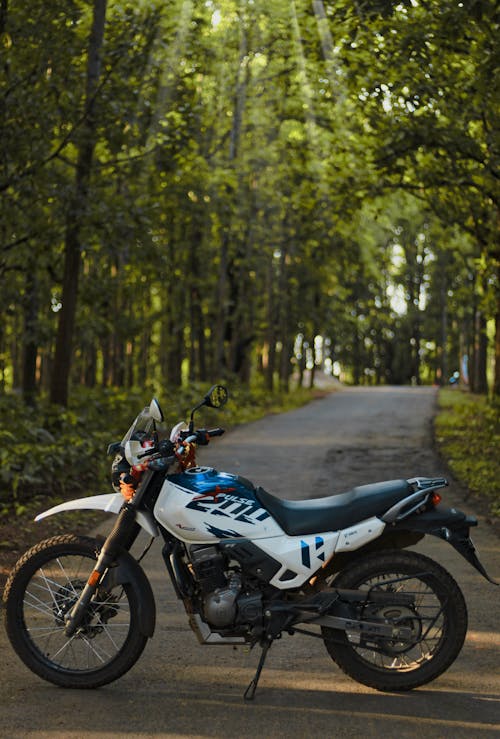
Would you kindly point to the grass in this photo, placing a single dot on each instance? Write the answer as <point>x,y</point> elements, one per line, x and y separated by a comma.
<point>467,430</point>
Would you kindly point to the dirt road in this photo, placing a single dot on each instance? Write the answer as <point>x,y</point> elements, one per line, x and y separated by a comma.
<point>179,689</point>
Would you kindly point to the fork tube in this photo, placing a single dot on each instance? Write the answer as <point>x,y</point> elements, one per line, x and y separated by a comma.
<point>122,531</point>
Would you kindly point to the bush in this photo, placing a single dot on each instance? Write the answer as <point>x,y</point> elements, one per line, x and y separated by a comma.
<point>468,434</point>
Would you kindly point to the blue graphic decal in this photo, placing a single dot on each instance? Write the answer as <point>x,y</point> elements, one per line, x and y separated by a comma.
<point>319,543</point>
<point>263,515</point>
<point>220,533</point>
<point>306,555</point>
<point>216,512</point>
<point>211,483</point>
<point>230,506</point>
<point>220,494</point>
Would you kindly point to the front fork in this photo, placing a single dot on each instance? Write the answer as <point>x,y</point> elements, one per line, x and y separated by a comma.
<point>121,533</point>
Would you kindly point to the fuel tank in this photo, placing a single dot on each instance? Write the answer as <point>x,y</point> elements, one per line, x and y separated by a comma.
<point>203,504</point>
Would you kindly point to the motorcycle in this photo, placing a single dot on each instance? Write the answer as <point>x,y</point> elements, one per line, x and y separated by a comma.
<point>248,567</point>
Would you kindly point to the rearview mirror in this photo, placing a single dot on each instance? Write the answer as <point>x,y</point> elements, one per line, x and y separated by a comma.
<point>216,397</point>
<point>155,411</point>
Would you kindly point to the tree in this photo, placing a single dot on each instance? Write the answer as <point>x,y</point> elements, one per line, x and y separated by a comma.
<point>224,197</point>
<point>77,210</point>
<point>431,114</point>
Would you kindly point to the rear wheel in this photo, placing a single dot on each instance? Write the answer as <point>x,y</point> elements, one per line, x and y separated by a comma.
<point>42,588</point>
<point>436,623</point>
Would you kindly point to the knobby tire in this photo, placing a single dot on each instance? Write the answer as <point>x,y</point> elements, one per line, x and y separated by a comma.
<point>439,624</point>
<point>47,580</point>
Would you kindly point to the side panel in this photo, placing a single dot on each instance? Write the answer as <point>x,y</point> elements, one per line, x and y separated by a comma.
<point>357,536</point>
<point>300,556</point>
<point>224,509</point>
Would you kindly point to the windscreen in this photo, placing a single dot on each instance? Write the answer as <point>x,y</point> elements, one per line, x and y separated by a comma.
<point>143,423</point>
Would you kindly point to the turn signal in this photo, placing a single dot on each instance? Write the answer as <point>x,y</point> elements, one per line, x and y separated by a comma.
<point>435,498</point>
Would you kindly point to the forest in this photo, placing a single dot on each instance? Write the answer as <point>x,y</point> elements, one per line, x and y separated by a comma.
<point>196,190</point>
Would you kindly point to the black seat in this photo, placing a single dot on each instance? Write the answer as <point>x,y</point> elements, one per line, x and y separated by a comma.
<point>301,517</point>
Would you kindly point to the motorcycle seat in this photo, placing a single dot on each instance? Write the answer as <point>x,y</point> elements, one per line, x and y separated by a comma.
<point>301,517</point>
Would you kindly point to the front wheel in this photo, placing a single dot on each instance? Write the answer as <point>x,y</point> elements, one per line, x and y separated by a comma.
<point>437,622</point>
<point>43,587</point>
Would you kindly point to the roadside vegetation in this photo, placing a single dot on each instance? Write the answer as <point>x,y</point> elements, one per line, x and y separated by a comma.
<point>467,430</point>
<point>50,452</point>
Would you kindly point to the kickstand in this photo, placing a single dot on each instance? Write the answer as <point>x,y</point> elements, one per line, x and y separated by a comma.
<point>249,693</point>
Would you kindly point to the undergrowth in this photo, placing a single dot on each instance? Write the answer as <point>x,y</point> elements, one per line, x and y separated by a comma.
<point>467,431</point>
<point>52,453</point>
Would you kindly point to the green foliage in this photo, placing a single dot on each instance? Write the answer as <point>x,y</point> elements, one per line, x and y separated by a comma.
<point>468,435</point>
<point>263,174</point>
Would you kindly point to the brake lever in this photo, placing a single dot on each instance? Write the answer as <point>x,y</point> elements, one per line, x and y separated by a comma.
<point>147,453</point>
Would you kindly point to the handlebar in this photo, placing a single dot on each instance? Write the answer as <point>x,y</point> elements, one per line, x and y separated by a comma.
<point>161,457</point>
<point>202,436</point>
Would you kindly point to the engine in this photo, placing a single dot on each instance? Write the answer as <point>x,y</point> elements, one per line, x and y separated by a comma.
<point>224,604</point>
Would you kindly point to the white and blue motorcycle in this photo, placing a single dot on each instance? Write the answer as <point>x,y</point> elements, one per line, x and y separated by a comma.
<point>248,567</point>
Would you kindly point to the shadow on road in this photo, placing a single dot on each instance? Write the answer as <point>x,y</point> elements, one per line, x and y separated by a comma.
<point>208,702</point>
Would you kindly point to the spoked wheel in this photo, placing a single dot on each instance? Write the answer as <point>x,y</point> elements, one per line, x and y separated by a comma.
<point>435,625</point>
<point>43,587</point>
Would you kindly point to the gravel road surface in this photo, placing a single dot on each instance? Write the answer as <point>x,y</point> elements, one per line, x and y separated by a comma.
<point>180,689</point>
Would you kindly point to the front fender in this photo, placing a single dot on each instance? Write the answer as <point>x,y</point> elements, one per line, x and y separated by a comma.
<point>109,503</point>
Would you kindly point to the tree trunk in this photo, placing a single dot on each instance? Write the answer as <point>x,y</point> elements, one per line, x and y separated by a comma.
<point>30,340</point>
<point>271,331</point>
<point>221,326</point>
<point>90,365</point>
<point>301,363</point>
<point>76,214</point>
<point>480,355</point>
<point>220,323</point>
<point>496,380</point>
<point>15,352</point>
<point>443,358</point>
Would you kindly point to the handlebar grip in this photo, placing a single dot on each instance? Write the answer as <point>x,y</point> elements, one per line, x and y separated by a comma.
<point>201,436</point>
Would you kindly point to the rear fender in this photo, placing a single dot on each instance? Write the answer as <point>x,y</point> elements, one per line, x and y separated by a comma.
<point>128,571</point>
<point>451,525</point>
<point>110,503</point>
